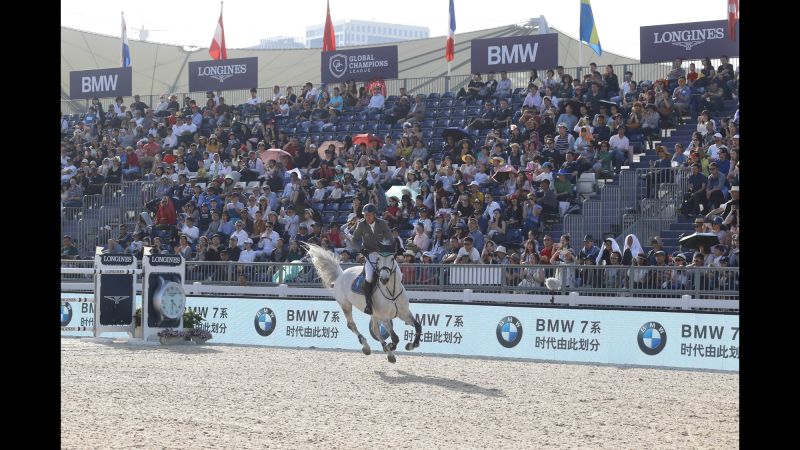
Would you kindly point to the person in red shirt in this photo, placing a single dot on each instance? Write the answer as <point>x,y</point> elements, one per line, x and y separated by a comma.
<point>131,167</point>
<point>166,215</point>
<point>335,236</point>
<point>548,250</point>
<point>392,213</point>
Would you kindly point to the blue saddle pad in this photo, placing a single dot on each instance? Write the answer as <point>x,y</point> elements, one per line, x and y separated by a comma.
<point>358,284</point>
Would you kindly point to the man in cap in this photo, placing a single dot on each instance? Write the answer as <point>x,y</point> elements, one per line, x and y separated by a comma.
<point>371,234</point>
<point>589,250</point>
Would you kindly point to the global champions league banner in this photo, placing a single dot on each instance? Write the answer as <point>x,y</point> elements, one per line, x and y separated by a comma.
<point>694,40</point>
<point>515,53</point>
<point>238,73</point>
<point>646,338</point>
<point>362,64</point>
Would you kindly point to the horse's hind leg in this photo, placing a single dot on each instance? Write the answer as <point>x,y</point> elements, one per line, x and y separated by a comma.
<point>406,316</point>
<point>348,314</point>
<point>395,339</point>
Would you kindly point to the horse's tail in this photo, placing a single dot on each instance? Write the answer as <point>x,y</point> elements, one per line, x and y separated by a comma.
<point>326,264</point>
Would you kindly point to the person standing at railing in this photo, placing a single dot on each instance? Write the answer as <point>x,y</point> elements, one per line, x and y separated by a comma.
<point>69,251</point>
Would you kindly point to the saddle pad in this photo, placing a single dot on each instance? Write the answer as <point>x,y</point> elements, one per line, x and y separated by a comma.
<point>358,284</point>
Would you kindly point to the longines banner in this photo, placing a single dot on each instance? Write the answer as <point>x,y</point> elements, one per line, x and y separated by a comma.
<point>361,64</point>
<point>693,40</point>
<point>515,53</point>
<point>239,73</point>
<point>101,83</point>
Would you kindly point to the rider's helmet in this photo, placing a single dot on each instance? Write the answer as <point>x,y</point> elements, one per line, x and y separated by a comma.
<point>369,208</point>
<point>386,248</point>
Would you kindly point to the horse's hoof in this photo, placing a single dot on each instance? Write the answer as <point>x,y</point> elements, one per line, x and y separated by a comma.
<point>366,350</point>
<point>392,347</point>
<point>392,359</point>
<point>409,346</point>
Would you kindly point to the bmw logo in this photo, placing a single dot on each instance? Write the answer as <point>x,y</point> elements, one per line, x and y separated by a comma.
<point>66,313</point>
<point>265,322</point>
<point>652,338</point>
<point>509,331</point>
<point>384,333</point>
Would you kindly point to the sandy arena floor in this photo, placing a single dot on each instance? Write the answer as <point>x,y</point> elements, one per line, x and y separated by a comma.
<point>120,395</point>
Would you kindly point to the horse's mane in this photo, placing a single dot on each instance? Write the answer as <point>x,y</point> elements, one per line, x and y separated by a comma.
<point>326,263</point>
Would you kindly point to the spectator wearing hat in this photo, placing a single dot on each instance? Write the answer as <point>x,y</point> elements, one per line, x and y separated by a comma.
<point>589,250</point>
<point>247,255</point>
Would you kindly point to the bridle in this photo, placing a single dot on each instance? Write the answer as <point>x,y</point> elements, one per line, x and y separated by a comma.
<point>392,293</point>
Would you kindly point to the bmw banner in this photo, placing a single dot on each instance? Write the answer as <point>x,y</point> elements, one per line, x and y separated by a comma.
<point>641,338</point>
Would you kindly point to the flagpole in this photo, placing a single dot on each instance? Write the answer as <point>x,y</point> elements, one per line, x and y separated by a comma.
<point>448,68</point>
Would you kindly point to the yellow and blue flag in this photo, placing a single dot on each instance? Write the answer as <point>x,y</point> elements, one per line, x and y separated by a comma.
<point>588,28</point>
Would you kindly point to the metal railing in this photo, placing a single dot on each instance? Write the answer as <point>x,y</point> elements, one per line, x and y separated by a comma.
<point>618,281</point>
<point>421,85</point>
<point>660,193</point>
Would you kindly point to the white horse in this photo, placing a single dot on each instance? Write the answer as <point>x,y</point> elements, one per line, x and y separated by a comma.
<point>388,301</point>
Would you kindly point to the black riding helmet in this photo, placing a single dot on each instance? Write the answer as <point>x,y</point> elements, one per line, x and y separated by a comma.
<point>369,208</point>
<point>386,248</point>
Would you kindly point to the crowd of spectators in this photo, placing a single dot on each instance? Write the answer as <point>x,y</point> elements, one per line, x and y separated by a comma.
<point>481,198</point>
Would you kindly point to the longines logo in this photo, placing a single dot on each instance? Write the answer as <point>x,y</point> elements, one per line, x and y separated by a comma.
<point>688,38</point>
<point>222,73</point>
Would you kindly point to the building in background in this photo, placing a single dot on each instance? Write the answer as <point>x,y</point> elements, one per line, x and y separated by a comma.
<point>361,32</point>
<point>279,43</point>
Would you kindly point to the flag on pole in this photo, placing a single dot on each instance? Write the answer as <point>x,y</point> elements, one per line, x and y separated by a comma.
<point>588,28</point>
<point>218,49</point>
<point>329,38</point>
<point>126,50</point>
<point>733,17</point>
<point>450,49</point>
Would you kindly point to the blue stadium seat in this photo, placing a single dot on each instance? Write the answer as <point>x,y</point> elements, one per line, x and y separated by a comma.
<point>445,103</point>
<point>447,95</point>
<point>433,95</point>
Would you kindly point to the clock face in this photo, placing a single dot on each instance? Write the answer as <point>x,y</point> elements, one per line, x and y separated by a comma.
<point>172,300</point>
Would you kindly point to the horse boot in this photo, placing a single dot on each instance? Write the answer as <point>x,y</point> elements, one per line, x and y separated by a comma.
<point>368,287</point>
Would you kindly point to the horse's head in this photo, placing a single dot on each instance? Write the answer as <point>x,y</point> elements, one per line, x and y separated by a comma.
<point>386,266</point>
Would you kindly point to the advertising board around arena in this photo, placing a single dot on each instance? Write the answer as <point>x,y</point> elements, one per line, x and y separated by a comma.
<point>117,81</point>
<point>238,73</point>
<point>515,53</point>
<point>362,64</point>
<point>643,338</point>
<point>693,40</point>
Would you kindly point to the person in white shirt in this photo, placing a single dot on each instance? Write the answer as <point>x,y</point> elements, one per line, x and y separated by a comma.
<point>268,240</point>
<point>254,99</point>
<point>290,221</point>
<point>713,149</point>
<point>533,99</point>
<point>247,255</point>
<point>621,146</point>
<point>376,103</point>
<point>469,251</point>
<point>491,205</point>
<point>503,89</point>
<point>240,234</point>
<point>191,231</point>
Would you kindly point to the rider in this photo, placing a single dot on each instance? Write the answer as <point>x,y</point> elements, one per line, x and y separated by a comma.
<point>370,232</point>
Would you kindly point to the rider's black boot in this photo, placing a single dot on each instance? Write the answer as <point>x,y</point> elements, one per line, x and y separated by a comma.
<point>368,287</point>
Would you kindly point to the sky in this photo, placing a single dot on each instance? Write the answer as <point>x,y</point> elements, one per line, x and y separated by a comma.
<point>247,21</point>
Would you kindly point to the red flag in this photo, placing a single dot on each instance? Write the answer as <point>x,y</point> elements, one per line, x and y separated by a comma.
<point>329,38</point>
<point>218,49</point>
<point>450,46</point>
<point>733,17</point>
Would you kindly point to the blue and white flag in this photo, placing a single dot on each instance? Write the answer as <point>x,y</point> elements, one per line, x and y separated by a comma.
<point>126,50</point>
